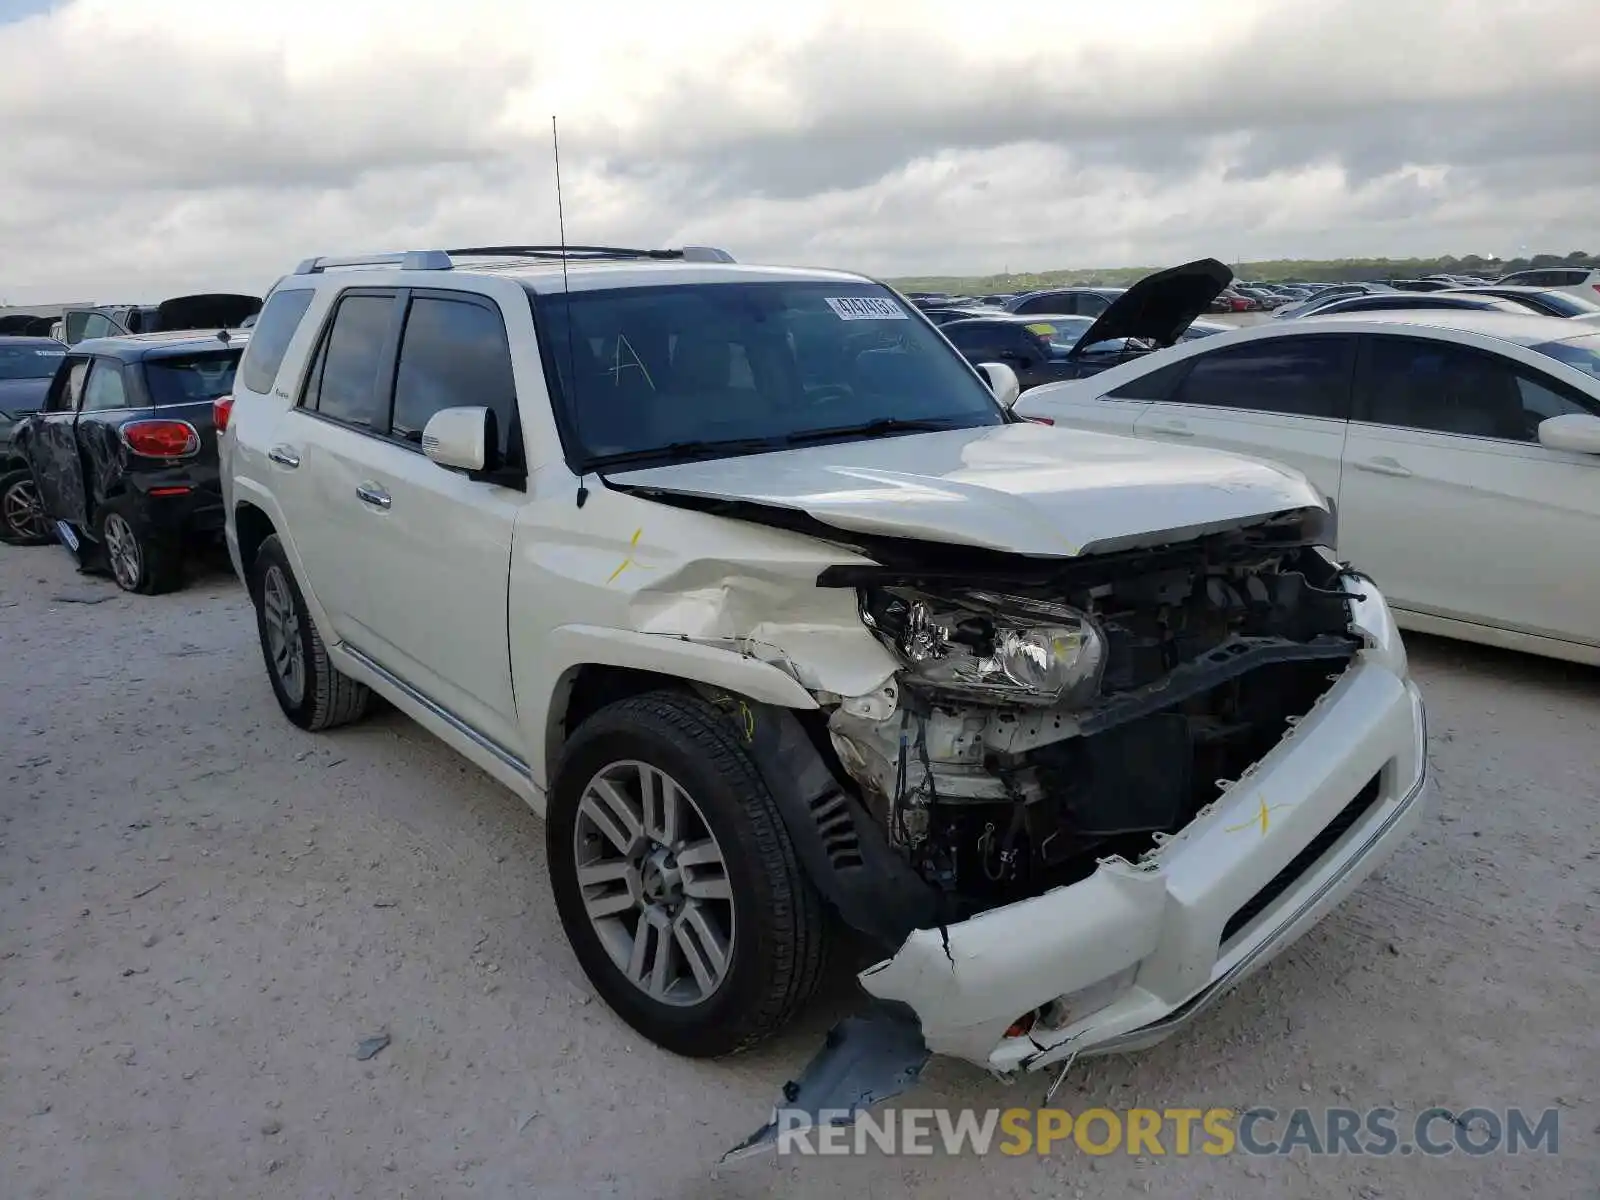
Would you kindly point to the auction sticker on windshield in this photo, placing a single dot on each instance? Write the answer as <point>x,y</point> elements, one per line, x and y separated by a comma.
<point>866,308</point>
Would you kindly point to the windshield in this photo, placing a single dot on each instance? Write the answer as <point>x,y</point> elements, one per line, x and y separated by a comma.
<point>1567,305</point>
<point>747,366</point>
<point>29,362</point>
<point>190,378</point>
<point>1580,352</point>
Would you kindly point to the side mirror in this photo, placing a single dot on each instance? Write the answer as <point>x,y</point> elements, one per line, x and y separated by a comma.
<point>1002,382</point>
<point>459,438</point>
<point>1571,431</point>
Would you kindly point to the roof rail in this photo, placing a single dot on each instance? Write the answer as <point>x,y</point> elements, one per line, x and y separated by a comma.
<point>441,260</point>
<point>406,260</point>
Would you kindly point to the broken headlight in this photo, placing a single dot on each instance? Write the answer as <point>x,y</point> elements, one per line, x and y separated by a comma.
<point>990,646</point>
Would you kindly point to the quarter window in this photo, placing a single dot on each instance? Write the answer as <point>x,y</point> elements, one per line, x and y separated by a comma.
<point>106,389</point>
<point>270,337</point>
<point>1154,385</point>
<point>1302,376</point>
<point>345,381</point>
<point>454,354</point>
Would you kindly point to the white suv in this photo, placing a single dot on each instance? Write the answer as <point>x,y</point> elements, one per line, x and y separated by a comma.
<point>759,593</point>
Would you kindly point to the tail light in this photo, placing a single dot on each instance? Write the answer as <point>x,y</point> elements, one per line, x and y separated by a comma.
<point>161,439</point>
<point>221,410</point>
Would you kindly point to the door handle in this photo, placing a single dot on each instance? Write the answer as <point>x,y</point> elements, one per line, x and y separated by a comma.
<point>1383,465</point>
<point>284,456</point>
<point>373,494</point>
<point>1172,428</point>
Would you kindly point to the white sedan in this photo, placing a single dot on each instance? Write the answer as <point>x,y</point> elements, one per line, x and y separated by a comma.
<point>1460,452</point>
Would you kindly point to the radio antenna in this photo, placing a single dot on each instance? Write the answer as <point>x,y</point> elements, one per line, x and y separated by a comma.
<point>566,297</point>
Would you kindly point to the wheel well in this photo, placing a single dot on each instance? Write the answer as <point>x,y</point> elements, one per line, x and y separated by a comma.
<point>583,691</point>
<point>252,527</point>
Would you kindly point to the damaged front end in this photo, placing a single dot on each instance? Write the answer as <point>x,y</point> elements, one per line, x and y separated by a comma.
<point>1100,792</point>
<point>1037,727</point>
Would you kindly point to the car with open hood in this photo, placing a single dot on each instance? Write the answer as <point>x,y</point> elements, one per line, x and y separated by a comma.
<point>763,597</point>
<point>204,310</point>
<point>123,457</point>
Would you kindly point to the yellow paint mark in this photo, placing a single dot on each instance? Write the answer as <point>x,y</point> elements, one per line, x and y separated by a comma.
<point>629,561</point>
<point>1261,819</point>
<point>748,720</point>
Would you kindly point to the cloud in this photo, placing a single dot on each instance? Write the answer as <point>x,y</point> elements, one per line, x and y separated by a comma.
<point>155,148</point>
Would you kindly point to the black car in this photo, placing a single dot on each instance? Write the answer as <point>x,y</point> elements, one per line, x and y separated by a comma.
<point>124,453</point>
<point>1548,301</point>
<point>1071,301</point>
<point>1047,348</point>
<point>204,310</point>
<point>27,365</point>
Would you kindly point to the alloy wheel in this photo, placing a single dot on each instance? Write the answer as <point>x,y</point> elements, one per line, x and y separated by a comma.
<point>654,883</point>
<point>281,618</point>
<point>23,513</point>
<point>122,548</point>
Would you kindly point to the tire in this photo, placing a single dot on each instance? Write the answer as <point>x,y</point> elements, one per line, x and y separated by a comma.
<point>775,923</point>
<point>319,696</point>
<point>140,560</point>
<point>22,519</point>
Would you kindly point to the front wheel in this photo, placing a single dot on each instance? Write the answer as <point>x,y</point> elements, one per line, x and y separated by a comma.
<point>22,519</point>
<point>675,878</point>
<point>312,692</point>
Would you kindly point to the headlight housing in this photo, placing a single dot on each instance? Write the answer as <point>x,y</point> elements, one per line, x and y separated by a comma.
<point>991,646</point>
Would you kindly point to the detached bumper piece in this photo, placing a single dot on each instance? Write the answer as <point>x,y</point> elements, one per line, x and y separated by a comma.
<point>864,1061</point>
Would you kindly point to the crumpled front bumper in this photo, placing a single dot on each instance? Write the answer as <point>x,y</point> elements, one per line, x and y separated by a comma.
<point>1137,949</point>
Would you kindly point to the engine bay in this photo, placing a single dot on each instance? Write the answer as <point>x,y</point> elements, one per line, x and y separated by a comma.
<point>1039,724</point>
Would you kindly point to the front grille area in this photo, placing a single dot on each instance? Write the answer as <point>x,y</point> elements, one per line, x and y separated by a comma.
<point>1305,860</point>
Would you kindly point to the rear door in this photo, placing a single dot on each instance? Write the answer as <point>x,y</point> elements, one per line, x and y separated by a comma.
<point>324,441</point>
<point>1282,398</point>
<point>111,398</point>
<point>1451,503</point>
<point>52,446</point>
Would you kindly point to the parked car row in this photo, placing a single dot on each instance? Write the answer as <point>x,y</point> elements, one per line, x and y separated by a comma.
<point>107,434</point>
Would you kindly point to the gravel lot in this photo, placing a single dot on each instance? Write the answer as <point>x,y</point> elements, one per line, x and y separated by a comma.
<point>204,910</point>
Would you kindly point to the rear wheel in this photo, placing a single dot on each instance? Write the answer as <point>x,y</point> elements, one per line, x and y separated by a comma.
<point>140,560</point>
<point>22,519</point>
<point>312,692</point>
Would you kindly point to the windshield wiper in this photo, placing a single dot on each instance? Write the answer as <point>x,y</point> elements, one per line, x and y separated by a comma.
<point>874,428</point>
<point>676,450</point>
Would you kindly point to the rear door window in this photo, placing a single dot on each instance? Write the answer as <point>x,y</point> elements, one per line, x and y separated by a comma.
<point>454,354</point>
<point>1154,385</point>
<point>270,337</point>
<point>1298,376</point>
<point>344,382</point>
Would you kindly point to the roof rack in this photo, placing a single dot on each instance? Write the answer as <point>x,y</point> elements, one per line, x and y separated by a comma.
<point>441,260</point>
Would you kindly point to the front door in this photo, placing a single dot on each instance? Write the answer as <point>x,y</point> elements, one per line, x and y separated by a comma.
<point>1451,504</point>
<point>52,447</point>
<point>436,551</point>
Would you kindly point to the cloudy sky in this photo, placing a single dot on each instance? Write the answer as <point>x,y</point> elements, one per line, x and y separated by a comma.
<point>161,146</point>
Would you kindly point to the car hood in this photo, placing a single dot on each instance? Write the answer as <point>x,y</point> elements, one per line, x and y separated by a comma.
<point>22,395</point>
<point>1023,488</point>
<point>208,310</point>
<point>1160,306</point>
